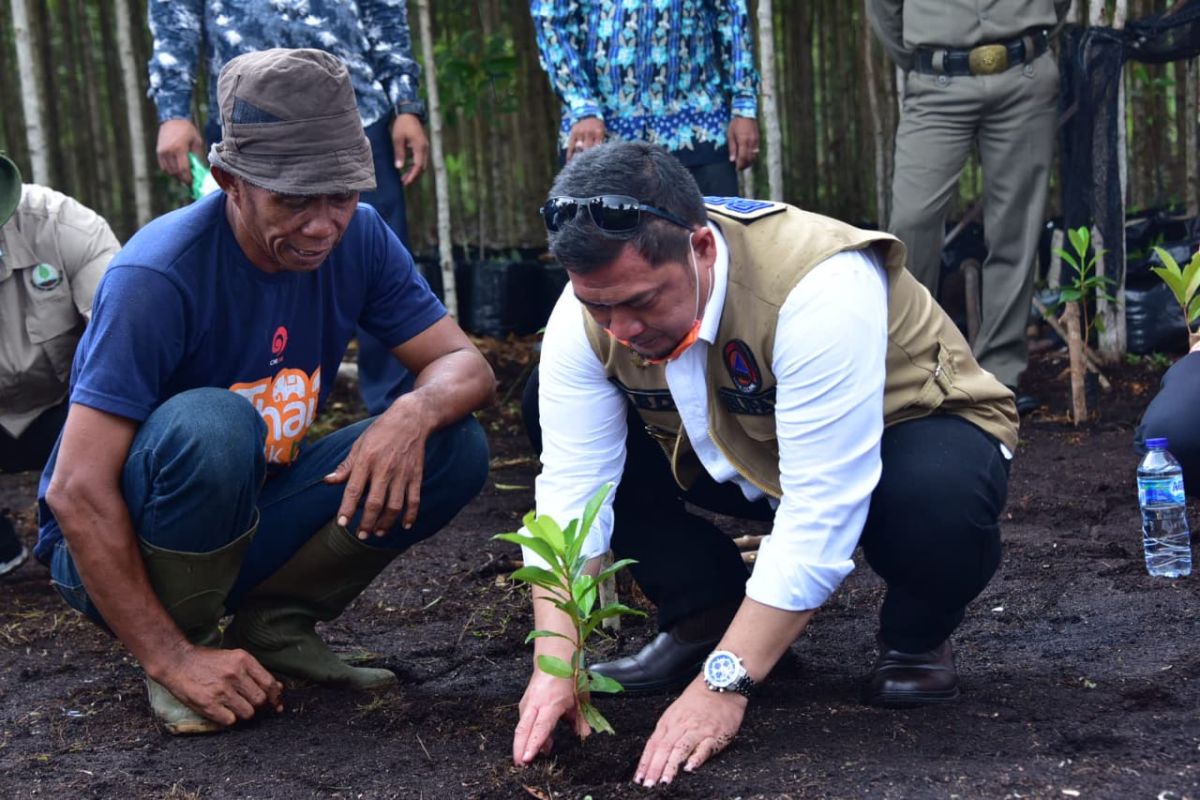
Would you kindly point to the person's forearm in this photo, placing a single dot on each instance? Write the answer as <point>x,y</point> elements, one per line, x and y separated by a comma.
<point>760,635</point>
<point>448,389</point>
<point>104,547</point>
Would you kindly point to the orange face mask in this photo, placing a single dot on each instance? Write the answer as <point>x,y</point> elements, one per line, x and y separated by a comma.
<point>693,333</point>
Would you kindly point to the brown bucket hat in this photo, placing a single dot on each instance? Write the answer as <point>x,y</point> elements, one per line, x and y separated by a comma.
<point>290,124</point>
<point>10,188</point>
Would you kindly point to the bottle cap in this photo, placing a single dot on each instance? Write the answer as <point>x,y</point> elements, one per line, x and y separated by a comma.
<point>1157,444</point>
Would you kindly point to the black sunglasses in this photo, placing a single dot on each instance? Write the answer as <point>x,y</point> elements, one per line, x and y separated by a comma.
<point>612,213</point>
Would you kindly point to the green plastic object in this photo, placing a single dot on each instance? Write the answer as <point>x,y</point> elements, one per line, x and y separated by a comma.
<point>202,180</point>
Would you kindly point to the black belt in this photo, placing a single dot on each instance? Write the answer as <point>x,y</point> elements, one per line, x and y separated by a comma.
<point>986,59</point>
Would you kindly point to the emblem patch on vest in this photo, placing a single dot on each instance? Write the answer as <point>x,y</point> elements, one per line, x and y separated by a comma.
<point>647,399</point>
<point>743,209</point>
<point>45,277</point>
<point>743,369</point>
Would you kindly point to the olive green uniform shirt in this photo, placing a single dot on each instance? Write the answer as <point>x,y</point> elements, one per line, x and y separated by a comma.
<point>905,25</point>
<point>53,251</point>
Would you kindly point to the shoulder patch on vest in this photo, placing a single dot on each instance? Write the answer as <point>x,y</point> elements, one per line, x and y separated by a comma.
<point>743,369</point>
<point>753,405</point>
<point>743,209</point>
<point>647,399</point>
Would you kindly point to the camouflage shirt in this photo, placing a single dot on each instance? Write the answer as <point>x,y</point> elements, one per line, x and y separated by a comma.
<point>371,37</point>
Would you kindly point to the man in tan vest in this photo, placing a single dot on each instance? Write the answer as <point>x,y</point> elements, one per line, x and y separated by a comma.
<point>786,367</point>
<point>977,73</point>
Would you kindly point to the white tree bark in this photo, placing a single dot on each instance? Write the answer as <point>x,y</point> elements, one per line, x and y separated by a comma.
<point>769,100</point>
<point>441,181</point>
<point>882,187</point>
<point>31,95</point>
<point>133,109</point>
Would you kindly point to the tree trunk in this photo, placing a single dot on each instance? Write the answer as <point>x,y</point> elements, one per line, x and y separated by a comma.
<point>441,180</point>
<point>1191,122</point>
<point>32,93</point>
<point>882,188</point>
<point>1070,321</point>
<point>133,110</point>
<point>1111,315</point>
<point>769,100</point>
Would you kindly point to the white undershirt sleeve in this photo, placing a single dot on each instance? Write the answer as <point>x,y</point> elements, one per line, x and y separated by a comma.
<point>829,363</point>
<point>582,417</point>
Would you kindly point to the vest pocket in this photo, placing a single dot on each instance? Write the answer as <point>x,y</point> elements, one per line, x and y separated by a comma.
<point>940,381</point>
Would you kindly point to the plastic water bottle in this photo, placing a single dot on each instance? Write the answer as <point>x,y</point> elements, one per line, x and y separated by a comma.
<point>1165,534</point>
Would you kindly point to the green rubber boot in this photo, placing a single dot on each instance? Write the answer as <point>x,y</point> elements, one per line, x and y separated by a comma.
<point>276,620</point>
<point>192,587</point>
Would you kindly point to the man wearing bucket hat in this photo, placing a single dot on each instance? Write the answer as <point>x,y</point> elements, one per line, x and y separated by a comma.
<point>182,488</point>
<point>371,37</point>
<point>52,253</point>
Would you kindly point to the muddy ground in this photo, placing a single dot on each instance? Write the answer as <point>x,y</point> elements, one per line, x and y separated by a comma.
<point>1080,671</point>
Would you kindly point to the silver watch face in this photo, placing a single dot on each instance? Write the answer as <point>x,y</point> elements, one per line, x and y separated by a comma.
<point>722,669</point>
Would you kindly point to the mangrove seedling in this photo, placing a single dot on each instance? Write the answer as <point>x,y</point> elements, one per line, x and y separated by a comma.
<point>1184,284</point>
<point>1074,295</point>
<point>575,593</point>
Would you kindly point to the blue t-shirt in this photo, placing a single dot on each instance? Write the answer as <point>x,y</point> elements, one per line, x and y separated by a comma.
<point>181,307</point>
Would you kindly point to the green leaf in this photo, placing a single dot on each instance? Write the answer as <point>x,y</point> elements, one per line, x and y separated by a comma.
<point>545,635</point>
<point>1193,310</point>
<point>1191,277</point>
<point>585,524</point>
<point>546,529</point>
<point>1079,240</point>
<point>570,534</point>
<point>614,568</point>
<point>536,545</point>
<point>584,591</point>
<point>1167,259</point>
<point>603,683</point>
<point>595,718</point>
<point>553,665</point>
<point>1070,295</point>
<point>1067,257</point>
<point>538,577</point>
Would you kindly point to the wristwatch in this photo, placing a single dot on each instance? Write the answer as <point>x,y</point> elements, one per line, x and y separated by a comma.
<point>724,672</point>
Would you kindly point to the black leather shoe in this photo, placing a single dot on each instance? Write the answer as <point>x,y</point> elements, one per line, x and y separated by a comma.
<point>1026,403</point>
<point>666,663</point>
<point>903,680</point>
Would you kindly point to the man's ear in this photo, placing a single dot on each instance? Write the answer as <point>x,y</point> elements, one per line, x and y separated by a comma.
<point>229,183</point>
<point>704,244</point>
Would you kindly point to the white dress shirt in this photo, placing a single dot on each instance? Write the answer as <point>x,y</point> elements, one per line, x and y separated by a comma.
<point>829,364</point>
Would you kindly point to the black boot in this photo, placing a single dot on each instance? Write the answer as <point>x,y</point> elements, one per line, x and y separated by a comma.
<point>903,680</point>
<point>672,658</point>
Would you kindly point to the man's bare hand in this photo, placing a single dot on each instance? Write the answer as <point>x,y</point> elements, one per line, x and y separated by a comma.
<point>588,132</point>
<point>547,699</point>
<point>384,469</point>
<point>696,727</point>
<point>408,137</point>
<point>743,141</point>
<point>177,138</point>
<point>222,685</point>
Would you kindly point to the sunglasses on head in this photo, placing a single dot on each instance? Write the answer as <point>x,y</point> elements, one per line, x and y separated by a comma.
<point>613,213</point>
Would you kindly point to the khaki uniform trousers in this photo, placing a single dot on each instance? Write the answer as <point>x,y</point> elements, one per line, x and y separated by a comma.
<point>1012,117</point>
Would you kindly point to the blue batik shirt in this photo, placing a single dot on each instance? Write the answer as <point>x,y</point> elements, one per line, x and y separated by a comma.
<point>371,37</point>
<point>669,72</point>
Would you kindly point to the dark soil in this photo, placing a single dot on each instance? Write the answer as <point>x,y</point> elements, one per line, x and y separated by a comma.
<point>1080,671</point>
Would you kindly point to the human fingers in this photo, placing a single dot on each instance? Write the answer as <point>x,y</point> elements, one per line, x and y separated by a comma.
<point>707,748</point>
<point>269,684</point>
<point>645,774</point>
<point>420,157</point>
<point>412,494</point>
<point>373,504</point>
<point>355,481</point>
<point>678,754</point>
<point>533,734</point>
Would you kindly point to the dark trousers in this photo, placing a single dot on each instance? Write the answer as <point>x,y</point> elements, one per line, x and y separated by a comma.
<point>32,448</point>
<point>932,532</point>
<point>1171,414</point>
<point>381,378</point>
<point>195,480</point>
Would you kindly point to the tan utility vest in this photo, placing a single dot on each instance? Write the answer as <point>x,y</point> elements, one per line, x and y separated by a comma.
<point>772,247</point>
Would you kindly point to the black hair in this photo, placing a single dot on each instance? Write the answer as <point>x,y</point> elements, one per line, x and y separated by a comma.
<point>643,171</point>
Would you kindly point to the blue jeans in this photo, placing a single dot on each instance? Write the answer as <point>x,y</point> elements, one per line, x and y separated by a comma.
<point>381,378</point>
<point>195,476</point>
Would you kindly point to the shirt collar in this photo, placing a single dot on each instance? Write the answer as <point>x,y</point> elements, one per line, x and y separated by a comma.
<point>710,324</point>
<point>17,253</point>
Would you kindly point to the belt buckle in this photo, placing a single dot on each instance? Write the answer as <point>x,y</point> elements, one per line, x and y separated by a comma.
<point>988,59</point>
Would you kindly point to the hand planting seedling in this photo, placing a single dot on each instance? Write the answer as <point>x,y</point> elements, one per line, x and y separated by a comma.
<point>575,593</point>
<point>1184,284</point>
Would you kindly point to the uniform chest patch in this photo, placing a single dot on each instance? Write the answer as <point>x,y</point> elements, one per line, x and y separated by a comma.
<point>743,369</point>
<point>743,209</point>
<point>45,277</point>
